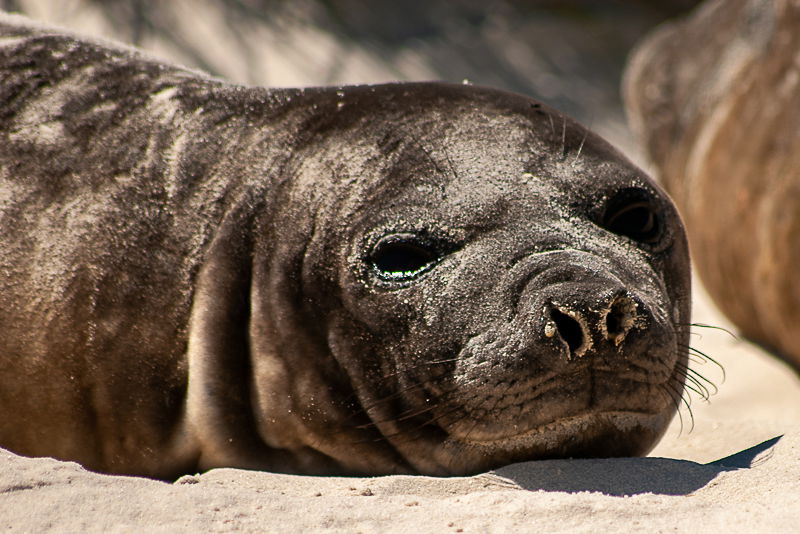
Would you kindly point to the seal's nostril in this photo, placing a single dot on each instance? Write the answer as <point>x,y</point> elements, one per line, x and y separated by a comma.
<point>620,317</point>
<point>569,329</point>
<point>613,323</point>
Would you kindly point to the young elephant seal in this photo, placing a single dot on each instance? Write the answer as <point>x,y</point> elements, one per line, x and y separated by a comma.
<point>404,278</point>
<point>722,129</point>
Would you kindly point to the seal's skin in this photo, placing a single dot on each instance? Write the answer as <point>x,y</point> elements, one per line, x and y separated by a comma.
<point>404,278</point>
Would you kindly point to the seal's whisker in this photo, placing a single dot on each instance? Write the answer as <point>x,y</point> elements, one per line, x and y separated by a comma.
<point>580,149</point>
<point>704,392</point>
<point>680,388</point>
<point>699,377</point>
<point>409,433</point>
<point>679,399</point>
<point>676,401</point>
<point>697,380</point>
<point>714,327</point>
<point>680,327</point>
<point>434,420</point>
<point>691,386</point>
<point>388,398</point>
<point>699,356</point>
<point>450,162</point>
<point>399,393</point>
<point>429,156</point>
<point>403,416</point>
<point>404,371</point>
<point>687,328</point>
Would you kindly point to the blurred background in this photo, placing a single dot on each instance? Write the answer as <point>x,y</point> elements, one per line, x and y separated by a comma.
<point>569,53</point>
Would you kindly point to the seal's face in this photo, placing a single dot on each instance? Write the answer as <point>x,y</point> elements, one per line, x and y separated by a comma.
<point>508,288</point>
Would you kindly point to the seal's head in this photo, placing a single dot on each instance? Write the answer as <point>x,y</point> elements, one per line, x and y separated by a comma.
<point>466,279</point>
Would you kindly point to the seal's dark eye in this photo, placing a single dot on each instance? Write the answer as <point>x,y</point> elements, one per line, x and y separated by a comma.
<point>631,213</point>
<point>403,256</point>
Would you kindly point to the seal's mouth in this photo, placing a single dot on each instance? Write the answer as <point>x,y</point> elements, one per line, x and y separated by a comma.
<point>508,408</point>
<point>549,435</point>
<point>586,435</point>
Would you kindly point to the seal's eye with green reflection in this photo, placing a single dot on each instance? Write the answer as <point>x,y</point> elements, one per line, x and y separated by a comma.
<point>632,213</point>
<point>402,257</point>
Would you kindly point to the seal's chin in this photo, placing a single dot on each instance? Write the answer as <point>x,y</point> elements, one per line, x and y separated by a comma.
<point>587,435</point>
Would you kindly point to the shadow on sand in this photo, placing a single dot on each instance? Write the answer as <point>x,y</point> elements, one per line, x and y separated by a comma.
<point>630,476</point>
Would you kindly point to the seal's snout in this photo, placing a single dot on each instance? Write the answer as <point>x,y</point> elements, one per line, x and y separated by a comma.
<point>579,325</point>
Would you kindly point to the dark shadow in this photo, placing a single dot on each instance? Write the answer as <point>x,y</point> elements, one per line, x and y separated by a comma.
<point>630,476</point>
<point>748,458</point>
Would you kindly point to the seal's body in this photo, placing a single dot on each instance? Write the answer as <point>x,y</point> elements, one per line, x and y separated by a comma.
<point>722,128</point>
<point>408,278</point>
